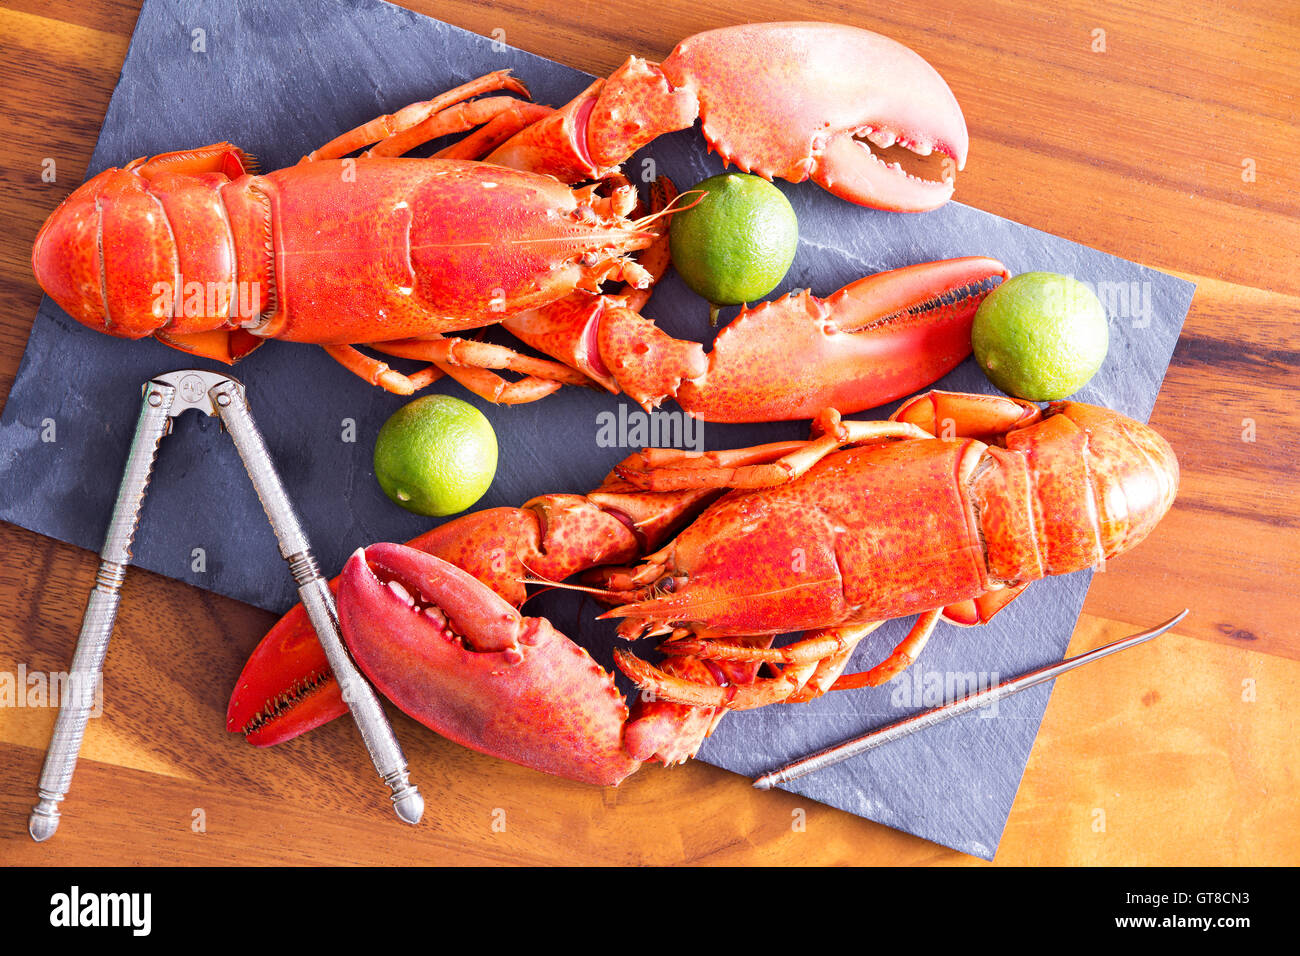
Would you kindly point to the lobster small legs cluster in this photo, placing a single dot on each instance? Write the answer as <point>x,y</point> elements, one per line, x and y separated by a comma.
<point>946,511</point>
<point>498,118</point>
<point>398,253</point>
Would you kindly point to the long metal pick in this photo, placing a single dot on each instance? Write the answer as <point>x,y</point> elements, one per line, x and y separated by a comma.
<point>964,705</point>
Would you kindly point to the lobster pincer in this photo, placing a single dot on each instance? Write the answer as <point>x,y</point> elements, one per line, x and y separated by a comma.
<point>860,114</point>
<point>165,398</point>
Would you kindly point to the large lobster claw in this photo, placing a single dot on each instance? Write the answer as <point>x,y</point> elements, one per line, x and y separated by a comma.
<point>452,654</point>
<point>859,113</point>
<point>875,340</point>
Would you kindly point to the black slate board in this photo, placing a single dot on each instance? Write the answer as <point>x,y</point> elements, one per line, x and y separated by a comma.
<point>280,79</point>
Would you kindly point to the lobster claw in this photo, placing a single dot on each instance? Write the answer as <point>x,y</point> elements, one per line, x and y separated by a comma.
<point>859,113</point>
<point>875,340</point>
<point>452,654</point>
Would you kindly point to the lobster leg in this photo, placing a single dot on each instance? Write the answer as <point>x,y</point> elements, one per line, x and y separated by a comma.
<point>802,661</point>
<point>455,119</point>
<point>665,730</point>
<point>471,354</point>
<point>378,373</point>
<point>423,121</point>
<point>673,469</point>
<point>899,660</point>
<point>467,362</point>
<point>496,389</point>
<point>824,677</point>
<point>987,418</point>
<point>495,132</point>
<point>771,690</point>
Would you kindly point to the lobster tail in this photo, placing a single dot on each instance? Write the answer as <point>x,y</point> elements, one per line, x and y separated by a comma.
<point>1132,470</point>
<point>107,254</point>
<point>1071,491</point>
<point>160,247</point>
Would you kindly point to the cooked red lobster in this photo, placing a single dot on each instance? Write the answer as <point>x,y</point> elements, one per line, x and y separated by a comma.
<point>950,509</point>
<point>199,251</point>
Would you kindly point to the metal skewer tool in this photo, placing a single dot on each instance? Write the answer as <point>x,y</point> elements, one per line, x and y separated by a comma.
<point>166,397</point>
<point>964,705</point>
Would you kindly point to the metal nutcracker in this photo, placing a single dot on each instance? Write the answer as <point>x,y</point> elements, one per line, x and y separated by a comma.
<point>166,397</point>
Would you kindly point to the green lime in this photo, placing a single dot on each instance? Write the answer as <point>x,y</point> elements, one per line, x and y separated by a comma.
<point>737,242</point>
<point>436,455</point>
<point>1040,336</point>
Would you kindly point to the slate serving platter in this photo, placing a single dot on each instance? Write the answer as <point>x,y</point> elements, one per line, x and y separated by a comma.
<point>280,79</point>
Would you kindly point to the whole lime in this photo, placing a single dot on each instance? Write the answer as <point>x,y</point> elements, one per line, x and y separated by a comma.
<point>1040,336</point>
<point>436,455</point>
<point>737,242</point>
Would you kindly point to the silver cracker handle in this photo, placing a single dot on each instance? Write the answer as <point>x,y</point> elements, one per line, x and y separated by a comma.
<point>83,682</point>
<point>376,732</point>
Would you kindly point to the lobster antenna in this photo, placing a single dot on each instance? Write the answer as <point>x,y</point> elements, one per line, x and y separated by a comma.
<point>669,209</point>
<point>560,585</point>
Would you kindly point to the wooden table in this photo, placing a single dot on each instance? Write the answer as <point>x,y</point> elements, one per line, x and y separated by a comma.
<point>1163,132</point>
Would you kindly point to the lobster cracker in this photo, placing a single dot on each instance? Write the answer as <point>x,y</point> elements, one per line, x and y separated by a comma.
<point>165,398</point>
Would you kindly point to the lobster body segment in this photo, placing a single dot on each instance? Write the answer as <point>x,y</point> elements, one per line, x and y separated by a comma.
<point>864,522</point>
<point>881,531</point>
<point>433,246</point>
<point>868,534</point>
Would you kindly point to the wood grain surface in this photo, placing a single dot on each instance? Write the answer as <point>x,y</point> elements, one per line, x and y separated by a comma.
<point>1175,146</point>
